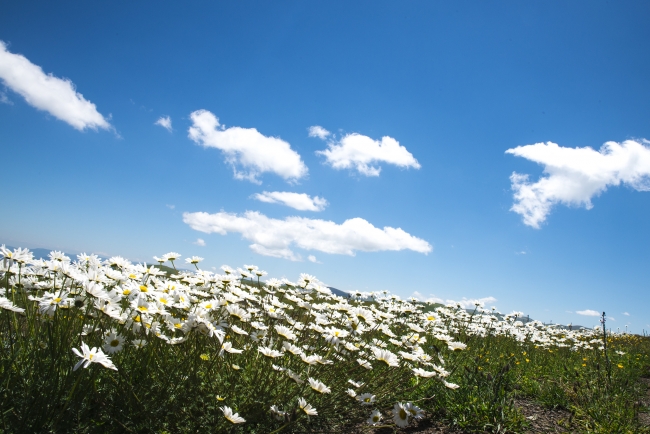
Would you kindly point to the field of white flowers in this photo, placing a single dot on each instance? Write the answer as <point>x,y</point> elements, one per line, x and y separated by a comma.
<point>90,344</point>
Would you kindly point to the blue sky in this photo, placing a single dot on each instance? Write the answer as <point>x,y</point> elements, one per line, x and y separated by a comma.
<point>431,94</point>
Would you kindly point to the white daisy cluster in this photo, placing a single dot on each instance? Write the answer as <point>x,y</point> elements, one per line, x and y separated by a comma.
<point>304,341</point>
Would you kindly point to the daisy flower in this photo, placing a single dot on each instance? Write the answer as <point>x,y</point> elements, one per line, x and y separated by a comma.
<point>232,417</point>
<point>94,355</point>
<point>375,417</point>
<point>386,356</point>
<point>268,352</point>
<point>318,386</point>
<point>113,343</point>
<point>227,347</point>
<point>422,373</point>
<point>364,363</point>
<point>366,398</point>
<point>307,408</point>
<point>415,411</point>
<point>456,346</point>
<point>400,415</point>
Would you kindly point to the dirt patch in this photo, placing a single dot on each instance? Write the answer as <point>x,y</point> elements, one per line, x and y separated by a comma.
<point>644,416</point>
<point>542,421</point>
<point>545,420</point>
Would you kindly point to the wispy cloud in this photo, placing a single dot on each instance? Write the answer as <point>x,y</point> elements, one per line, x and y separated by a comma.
<point>312,258</point>
<point>56,96</point>
<point>363,154</point>
<point>588,312</point>
<point>299,201</point>
<point>199,242</point>
<point>170,206</point>
<point>4,99</point>
<point>573,176</point>
<point>165,122</point>
<point>249,152</point>
<point>275,237</point>
<point>626,314</point>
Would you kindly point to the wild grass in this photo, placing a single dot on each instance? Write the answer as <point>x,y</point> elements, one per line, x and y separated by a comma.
<point>181,352</point>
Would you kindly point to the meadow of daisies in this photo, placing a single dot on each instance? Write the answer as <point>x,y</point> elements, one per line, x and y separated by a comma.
<point>111,346</point>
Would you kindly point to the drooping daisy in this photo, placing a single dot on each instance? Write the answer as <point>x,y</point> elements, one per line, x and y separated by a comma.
<point>318,386</point>
<point>456,346</point>
<point>227,347</point>
<point>307,408</point>
<point>234,418</point>
<point>295,350</point>
<point>355,384</point>
<point>238,330</point>
<point>386,356</point>
<point>268,352</point>
<point>451,385</point>
<point>419,372</point>
<point>364,363</point>
<point>285,331</point>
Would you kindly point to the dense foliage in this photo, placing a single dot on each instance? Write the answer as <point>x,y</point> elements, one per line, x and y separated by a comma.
<point>92,346</point>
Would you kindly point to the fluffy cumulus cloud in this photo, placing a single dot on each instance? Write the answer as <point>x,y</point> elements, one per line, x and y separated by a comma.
<point>318,131</point>
<point>57,96</point>
<point>299,201</point>
<point>165,122</point>
<point>199,242</point>
<point>248,151</point>
<point>573,176</point>
<point>313,259</point>
<point>466,303</point>
<point>363,154</point>
<point>588,312</point>
<point>275,237</point>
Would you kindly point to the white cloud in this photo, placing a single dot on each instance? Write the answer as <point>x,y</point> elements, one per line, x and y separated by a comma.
<point>626,314</point>
<point>430,299</point>
<point>248,152</point>
<point>299,201</point>
<point>573,176</point>
<point>313,259</point>
<point>170,206</point>
<point>355,151</point>
<point>318,131</point>
<point>165,122</point>
<point>199,242</point>
<point>4,99</point>
<point>470,303</point>
<point>56,96</point>
<point>274,237</point>
<point>588,312</point>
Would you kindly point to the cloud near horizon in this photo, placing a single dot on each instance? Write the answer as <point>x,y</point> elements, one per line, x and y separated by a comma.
<point>57,96</point>
<point>275,237</point>
<point>573,176</point>
<point>359,152</point>
<point>465,303</point>
<point>249,152</point>
<point>299,201</point>
<point>588,312</point>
